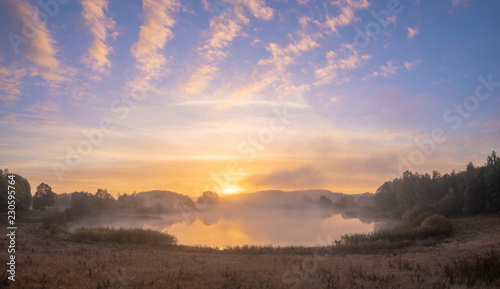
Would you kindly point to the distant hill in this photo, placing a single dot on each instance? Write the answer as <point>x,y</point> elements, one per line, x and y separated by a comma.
<point>284,199</point>
<point>161,201</point>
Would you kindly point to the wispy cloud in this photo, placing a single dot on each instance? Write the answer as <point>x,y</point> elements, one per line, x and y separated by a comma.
<point>223,30</point>
<point>258,8</point>
<point>10,83</point>
<point>359,4</point>
<point>200,79</point>
<point>44,113</point>
<point>410,65</point>
<point>273,68</point>
<point>100,26</point>
<point>40,49</point>
<point>155,32</point>
<point>281,57</point>
<point>338,64</point>
<point>38,45</point>
<point>460,2</point>
<point>346,16</point>
<point>386,70</point>
<point>336,98</point>
<point>412,32</point>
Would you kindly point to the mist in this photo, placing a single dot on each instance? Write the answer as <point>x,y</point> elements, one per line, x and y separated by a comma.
<point>278,218</point>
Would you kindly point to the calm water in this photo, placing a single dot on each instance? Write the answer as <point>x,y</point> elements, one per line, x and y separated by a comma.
<point>256,231</point>
<point>250,227</point>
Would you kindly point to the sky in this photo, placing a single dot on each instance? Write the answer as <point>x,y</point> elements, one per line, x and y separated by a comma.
<point>244,95</point>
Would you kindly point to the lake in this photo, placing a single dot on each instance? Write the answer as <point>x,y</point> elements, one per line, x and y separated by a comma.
<point>275,227</point>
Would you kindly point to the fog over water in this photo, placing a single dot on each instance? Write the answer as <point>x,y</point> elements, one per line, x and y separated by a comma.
<point>268,218</point>
<point>266,228</point>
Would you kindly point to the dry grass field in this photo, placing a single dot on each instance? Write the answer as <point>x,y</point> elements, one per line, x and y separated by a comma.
<point>466,260</point>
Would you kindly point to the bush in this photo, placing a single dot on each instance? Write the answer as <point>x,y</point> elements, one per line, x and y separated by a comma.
<point>127,236</point>
<point>420,218</point>
<point>410,216</point>
<point>433,226</point>
<point>438,224</point>
<point>54,221</point>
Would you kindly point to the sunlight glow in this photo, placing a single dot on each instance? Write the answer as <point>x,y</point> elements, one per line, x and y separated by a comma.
<point>230,190</point>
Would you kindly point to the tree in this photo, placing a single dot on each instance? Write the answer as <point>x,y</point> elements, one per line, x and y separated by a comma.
<point>385,197</point>
<point>131,203</point>
<point>103,201</point>
<point>347,201</point>
<point>406,190</point>
<point>472,191</point>
<point>22,190</point>
<point>450,205</point>
<point>81,205</point>
<point>492,182</point>
<point>23,193</point>
<point>208,198</point>
<point>325,202</point>
<point>44,197</point>
<point>3,192</point>
<point>475,190</point>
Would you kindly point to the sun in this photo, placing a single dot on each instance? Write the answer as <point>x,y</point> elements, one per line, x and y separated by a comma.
<point>230,190</point>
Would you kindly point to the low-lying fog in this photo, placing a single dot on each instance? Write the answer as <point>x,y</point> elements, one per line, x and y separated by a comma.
<point>308,218</point>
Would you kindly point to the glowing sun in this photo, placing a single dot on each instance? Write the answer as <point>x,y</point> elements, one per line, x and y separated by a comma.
<point>230,190</point>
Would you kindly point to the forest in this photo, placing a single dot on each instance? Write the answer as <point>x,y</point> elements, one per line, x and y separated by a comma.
<point>474,190</point>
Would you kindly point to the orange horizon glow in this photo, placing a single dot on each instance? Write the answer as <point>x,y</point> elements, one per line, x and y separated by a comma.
<point>179,96</point>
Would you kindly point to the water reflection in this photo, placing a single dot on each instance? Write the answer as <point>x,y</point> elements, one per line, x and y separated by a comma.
<point>266,229</point>
<point>244,226</point>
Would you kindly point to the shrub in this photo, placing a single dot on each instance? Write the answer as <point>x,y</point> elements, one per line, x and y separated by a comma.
<point>54,221</point>
<point>437,223</point>
<point>410,216</point>
<point>433,226</point>
<point>127,236</point>
<point>420,218</point>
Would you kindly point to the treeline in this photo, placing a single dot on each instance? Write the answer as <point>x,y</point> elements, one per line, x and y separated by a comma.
<point>475,190</point>
<point>20,188</point>
<point>84,204</point>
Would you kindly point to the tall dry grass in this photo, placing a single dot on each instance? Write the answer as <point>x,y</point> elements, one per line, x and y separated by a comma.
<point>125,236</point>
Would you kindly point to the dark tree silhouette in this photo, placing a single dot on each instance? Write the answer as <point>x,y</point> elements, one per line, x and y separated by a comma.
<point>44,197</point>
<point>475,190</point>
<point>325,202</point>
<point>22,190</point>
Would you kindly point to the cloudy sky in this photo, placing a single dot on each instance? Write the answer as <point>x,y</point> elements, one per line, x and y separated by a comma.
<point>244,95</point>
